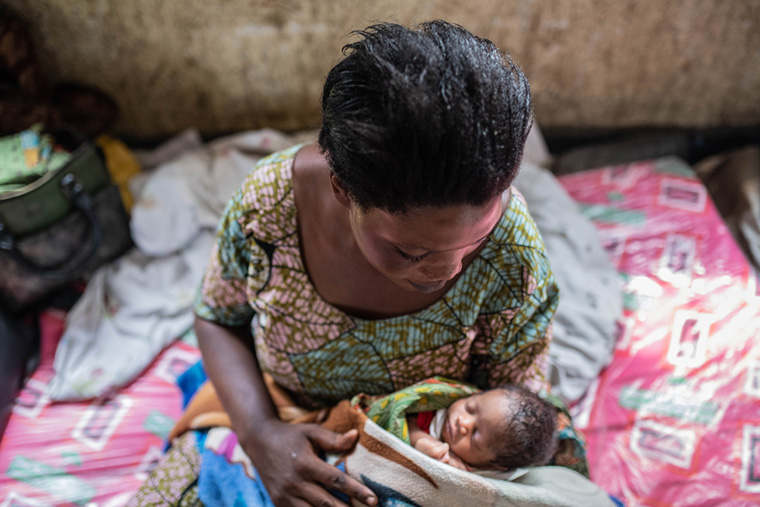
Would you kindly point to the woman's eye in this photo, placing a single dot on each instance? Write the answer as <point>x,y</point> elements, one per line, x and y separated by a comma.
<point>412,258</point>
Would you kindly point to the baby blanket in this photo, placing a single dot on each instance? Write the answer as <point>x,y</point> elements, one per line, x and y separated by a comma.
<point>398,473</point>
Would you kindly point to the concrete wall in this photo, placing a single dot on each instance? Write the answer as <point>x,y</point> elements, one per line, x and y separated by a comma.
<point>232,64</point>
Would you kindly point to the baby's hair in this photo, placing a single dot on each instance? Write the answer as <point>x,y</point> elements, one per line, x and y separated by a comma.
<point>528,437</point>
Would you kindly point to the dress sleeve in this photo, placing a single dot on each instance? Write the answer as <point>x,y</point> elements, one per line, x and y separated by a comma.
<point>513,329</point>
<point>517,340</point>
<point>223,293</point>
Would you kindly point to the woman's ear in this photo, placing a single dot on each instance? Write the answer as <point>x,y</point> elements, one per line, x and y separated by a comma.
<point>339,192</point>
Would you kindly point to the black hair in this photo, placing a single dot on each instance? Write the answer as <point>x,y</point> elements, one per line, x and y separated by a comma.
<point>528,435</point>
<point>430,116</point>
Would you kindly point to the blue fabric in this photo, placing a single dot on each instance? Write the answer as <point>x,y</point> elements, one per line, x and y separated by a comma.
<point>222,484</point>
<point>225,484</point>
<point>616,501</point>
<point>190,381</point>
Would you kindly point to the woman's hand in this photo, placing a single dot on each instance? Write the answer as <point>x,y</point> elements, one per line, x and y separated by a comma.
<point>285,457</point>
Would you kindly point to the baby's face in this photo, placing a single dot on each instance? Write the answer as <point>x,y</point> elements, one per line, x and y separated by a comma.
<point>474,425</point>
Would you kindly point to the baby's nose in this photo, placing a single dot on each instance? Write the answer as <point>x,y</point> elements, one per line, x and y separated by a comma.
<point>464,425</point>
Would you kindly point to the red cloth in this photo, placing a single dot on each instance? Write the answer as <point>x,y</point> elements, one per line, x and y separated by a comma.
<point>424,419</point>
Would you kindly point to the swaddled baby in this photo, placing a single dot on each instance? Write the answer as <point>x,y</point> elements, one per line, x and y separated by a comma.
<point>501,429</point>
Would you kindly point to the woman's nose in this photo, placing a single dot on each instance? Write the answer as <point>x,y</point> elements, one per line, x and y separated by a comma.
<point>444,270</point>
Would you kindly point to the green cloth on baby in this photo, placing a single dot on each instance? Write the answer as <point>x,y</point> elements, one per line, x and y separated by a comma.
<point>389,412</point>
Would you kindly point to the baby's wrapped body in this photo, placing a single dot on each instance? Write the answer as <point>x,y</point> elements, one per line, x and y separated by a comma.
<point>382,457</point>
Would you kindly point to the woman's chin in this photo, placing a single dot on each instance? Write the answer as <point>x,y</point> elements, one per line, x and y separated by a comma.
<point>427,288</point>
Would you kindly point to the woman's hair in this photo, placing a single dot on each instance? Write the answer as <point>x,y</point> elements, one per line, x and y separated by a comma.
<point>432,116</point>
<point>528,435</point>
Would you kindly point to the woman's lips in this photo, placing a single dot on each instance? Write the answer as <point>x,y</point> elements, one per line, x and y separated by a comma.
<point>428,287</point>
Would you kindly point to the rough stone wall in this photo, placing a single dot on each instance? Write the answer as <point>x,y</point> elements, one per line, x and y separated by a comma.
<point>233,64</point>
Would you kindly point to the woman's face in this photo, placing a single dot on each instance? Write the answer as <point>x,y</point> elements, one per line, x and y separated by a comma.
<point>424,248</point>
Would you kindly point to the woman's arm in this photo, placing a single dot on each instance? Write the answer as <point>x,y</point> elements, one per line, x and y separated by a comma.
<point>284,454</point>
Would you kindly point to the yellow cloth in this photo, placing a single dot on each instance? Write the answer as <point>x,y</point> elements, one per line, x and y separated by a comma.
<point>122,165</point>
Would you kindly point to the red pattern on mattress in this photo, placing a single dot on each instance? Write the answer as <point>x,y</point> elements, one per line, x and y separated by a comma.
<point>674,420</point>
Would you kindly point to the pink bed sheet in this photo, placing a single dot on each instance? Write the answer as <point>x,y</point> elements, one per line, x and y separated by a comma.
<point>675,418</point>
<point>93,454</point>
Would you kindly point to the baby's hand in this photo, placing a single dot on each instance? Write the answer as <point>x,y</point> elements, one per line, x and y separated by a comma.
<point>452,459</point>
<point>433,448</point>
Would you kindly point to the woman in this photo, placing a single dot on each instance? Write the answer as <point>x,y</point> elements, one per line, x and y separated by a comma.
<point>392,252</point>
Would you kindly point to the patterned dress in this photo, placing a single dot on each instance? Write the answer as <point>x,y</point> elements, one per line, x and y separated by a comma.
<point>492,327</point>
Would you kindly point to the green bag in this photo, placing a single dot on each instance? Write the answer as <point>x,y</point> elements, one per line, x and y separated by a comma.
<point>61,226</point>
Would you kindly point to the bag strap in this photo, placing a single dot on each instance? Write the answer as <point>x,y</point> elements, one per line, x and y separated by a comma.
<point>74,191</point>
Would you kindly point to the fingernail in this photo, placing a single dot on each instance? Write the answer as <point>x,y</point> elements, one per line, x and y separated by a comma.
<point>371,500</point>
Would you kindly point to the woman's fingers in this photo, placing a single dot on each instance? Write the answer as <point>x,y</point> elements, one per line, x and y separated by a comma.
<point>315,495</point>
<point>308,490</point>
<point>330,476</point>
<point>334,479</point>
<point>330,441</point>
<point>293,473</point>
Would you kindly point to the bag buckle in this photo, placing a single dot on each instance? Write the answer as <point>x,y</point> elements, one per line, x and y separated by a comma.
<point>74,191</point>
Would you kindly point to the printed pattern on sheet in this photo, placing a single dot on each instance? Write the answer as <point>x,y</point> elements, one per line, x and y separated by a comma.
<point>676,410</point>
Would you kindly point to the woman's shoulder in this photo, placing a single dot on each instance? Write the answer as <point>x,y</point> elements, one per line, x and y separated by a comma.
<point>263,206</point>
<point>517,229</point>
<point>513,267</point>
<point>270,182</point>
<point>516,241</point>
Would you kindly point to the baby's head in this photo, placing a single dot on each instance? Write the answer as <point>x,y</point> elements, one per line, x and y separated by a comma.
<point>505,428</point>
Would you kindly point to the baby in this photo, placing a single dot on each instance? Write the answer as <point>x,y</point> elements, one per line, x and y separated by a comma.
<point>501,429</point>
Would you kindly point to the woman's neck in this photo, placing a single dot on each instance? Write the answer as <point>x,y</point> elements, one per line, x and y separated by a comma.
<point>336,267</point>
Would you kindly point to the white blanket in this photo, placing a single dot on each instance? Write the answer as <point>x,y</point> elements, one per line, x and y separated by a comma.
<point>139,304</point>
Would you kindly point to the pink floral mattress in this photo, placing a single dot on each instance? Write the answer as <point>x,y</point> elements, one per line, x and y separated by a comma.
<point>675,418</point>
